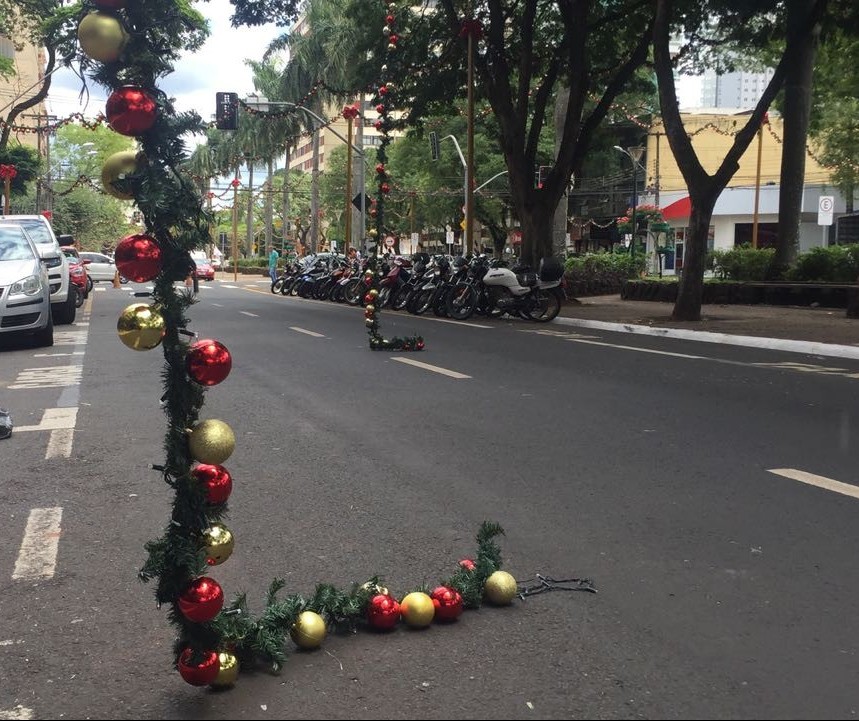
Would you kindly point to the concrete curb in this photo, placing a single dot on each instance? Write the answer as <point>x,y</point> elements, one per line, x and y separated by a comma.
<point>790,346</point>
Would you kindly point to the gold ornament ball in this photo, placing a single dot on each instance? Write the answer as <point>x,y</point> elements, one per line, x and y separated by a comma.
<point>372,232</point>
<point>229,671</point>
<point>373,293</point>
<point>308,631</point>
<point>500,588</point>
<point>102,37</point>
<point>116,167</point>
<point>140,326</point>
<point>211,441</point>
<point>417,609</point>
<point>218,542</point>
<point>375,589</point>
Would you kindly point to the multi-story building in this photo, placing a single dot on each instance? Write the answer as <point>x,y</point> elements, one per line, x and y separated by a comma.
<point>29,63</point>
<point>740,89</point>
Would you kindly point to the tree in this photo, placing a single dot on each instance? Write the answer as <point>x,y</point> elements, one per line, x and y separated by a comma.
<point>705,188</point>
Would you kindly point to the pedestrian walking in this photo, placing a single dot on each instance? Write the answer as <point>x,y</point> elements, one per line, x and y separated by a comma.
<point>272,264</point>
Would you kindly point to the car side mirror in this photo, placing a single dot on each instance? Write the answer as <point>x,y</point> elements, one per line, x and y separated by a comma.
<point>65,240</point>
<point>86,261</point>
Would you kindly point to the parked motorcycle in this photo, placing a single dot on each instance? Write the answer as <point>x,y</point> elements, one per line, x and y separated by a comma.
<point>521,291</point>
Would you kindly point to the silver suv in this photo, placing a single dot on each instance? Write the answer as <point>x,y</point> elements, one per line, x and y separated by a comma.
<point>24,291</point>
<point>63,308</point>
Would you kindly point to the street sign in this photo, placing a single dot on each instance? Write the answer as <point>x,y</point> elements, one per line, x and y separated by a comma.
<point>356,201</point>
<point>226,111</point>
<point>825,205</point>
<point>449,237</point>
<point>389,241</point>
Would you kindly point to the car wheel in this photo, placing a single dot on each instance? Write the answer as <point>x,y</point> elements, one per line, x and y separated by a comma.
<point>45,337</point>
<point>88,285</point>
<point>79,297</point>
<point>64,313</point>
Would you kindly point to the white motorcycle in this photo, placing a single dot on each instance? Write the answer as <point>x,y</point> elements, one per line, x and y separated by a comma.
<point>521,291</point>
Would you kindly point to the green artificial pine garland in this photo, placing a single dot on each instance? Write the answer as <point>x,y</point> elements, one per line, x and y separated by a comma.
<point>141,42</point>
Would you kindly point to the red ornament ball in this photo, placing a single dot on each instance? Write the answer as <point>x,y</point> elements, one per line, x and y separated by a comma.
<point>393,39</point>
<point>380,168</point>
<point>373,213</point>
<point>208,362</point>
<point>380,108</point>
<point>467,564</point>
<point>138,257</point>
<point>199,671</point>
<point>383,90</point>
<point>383,611</point>
<point>389,19</point>
<point>447,602</point>
<point>202,600</point>
<point>131,110</point>
<point>386,188</point>
<point>419,345</point>
<point>378,125</point>
<point>216,481</point>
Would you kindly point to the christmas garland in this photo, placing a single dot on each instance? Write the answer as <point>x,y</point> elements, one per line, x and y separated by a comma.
<point>383,97</point>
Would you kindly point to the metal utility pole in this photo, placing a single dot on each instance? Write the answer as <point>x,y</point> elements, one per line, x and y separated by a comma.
<point>236,225</point>
<point>468,246</point>
<point>250,219</point>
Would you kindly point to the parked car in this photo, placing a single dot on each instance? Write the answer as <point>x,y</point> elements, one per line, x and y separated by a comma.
<point>78,274</point>
<point>25,287</point>
<point>100,267</point>
<point>203,269</point>
<point>42,234</point>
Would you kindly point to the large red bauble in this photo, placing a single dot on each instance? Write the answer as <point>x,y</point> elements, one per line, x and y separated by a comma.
<point>202,600</point>
<point>138,257</point>
<point>216,480</point>
<point>447,602</point>
<point>202,671</point>
<point>208,362</point>
<point>383,611</point>
<point>131,110</point>
<point>468,564</point>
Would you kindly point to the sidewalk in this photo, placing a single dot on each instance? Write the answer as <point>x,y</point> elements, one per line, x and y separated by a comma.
<point>808,327</point>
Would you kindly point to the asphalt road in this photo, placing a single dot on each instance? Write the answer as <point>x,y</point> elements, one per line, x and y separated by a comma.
<point>644,464</point>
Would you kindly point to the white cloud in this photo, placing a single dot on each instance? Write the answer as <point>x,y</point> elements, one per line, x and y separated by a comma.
<point>218,66</point>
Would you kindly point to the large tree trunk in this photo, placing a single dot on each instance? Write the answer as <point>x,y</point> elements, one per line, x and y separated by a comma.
<point>800,51</point>
<point>536,223</point>
<point>690,292</point>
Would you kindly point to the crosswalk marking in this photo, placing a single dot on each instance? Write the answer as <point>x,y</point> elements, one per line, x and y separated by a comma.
<point>37,557</point>
<point>306,332</point>
<point>48,377</point>
<point>19,712</point>
<point>70,337</point>
<point>53,419</point>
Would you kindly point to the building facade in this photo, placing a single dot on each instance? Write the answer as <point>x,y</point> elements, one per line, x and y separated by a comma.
<point>29,63</point>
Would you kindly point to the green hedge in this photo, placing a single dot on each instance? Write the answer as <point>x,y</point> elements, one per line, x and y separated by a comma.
<point>832,264</point>
<point>743,263</point>
<point>591,266</point>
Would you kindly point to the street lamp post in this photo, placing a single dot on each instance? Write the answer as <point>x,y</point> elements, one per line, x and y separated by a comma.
<point>634,155</point>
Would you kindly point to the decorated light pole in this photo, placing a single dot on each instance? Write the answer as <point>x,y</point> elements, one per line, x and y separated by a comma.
<point>7,173</point>
<point>350,112</point>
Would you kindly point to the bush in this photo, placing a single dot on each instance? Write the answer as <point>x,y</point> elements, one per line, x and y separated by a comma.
<point>832,264</point>
<point>744,263</point>
<point>596,273</point>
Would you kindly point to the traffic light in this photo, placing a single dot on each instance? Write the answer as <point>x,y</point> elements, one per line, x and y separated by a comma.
<point>434,145</point>
<point>542,174</point>
<point>226,111</point>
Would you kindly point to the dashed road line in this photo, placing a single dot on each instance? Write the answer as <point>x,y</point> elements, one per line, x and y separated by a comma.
<point>820,481</point>
<point>252,315</point>
<point>428,367</point>
<point>306,332</point>
<point>37,557</point>
<point>53,419</point>
<point>60,444</point>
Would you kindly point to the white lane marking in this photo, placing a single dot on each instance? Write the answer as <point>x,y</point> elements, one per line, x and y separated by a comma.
<point>19,712</point>
<point>428,367</point>
<point>60,443</point>
<point>58,355</point>
<point>560,334</point>
<point>99,290</point>
<point>37,557</point>
<point>218,305</point>
<point>810,368</point>
<point>814,480</point>
<point>448,320</point>
<point>68,337</point>
<point>48,377</point>
<point>307,332</point>
<point>53,419</point>
<point>230,286</point>
<point>252,315</point>
<point>640,350</point>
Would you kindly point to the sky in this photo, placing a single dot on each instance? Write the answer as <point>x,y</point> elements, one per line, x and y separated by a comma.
<point>218,66</point>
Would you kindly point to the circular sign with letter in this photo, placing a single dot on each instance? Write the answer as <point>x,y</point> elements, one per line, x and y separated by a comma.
<point>826,203</point>
<point>389,241</point>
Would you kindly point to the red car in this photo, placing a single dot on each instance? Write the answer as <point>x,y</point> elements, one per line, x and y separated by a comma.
<point>77,275</point>
<point>204,270</point>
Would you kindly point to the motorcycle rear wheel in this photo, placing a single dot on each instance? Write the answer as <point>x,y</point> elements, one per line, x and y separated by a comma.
<point>545,307</point>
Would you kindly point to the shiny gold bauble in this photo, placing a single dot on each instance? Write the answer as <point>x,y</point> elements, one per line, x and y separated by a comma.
<point>229,670</point>
<point>375,589</point>
<point>140,326</point>
<point>211,441</point>
<point>500,588</point>
<point>372,232</point>
<point>117,167</point>
<point>373,293</point>
<point>218,542</point>
<point>417,609</point>
<point>102,36</point>
<point>308,631</point>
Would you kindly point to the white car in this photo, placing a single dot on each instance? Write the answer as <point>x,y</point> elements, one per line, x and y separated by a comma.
<point>100,266</point>
<point>63,295</point>
<point>25,291</point>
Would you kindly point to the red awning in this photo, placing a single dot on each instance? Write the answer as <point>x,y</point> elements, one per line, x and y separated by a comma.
<point>678,209</point>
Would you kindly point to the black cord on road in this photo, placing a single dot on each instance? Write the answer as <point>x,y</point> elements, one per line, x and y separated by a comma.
<point>547,583</point>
